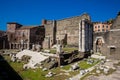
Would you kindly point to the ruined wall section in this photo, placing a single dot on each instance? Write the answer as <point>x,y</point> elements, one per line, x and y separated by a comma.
<point>37,35</point>
<point>104,49</point>
<point>116,23</point>
<point>70,27</point>
<point>114,39</point>
<point>22,34</point>
<point>50,33</point>
<point>12,26</point>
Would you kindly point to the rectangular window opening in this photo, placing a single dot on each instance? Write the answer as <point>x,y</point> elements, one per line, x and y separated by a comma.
<point>112,50</point>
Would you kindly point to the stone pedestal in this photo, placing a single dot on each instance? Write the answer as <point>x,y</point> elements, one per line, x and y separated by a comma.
<point>33,47</point>
<point>58,51</point>
<point>38,47</point>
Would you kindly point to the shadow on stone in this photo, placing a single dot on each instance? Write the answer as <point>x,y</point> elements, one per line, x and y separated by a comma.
<point>7,72</point>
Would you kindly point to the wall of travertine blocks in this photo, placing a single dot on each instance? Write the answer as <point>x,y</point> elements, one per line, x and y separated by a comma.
<point>66,28</point>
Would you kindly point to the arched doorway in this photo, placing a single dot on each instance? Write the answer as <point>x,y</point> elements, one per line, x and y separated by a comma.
<point>99,43</point>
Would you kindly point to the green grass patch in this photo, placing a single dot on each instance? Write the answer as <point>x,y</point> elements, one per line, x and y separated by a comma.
<point>31,74</point>
<point>38,74</point>
<point>69,49</point>
<point>66,67</point>
<point>53,51</point>
<point>83,64</point>
<point>35,74</point>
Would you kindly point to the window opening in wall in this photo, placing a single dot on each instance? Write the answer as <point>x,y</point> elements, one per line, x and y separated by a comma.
<point>103,26</point>
<point>112,50</point>
<point>98,30</point>
<point>103,30</point>
<point>106,26</point>
<point>98,26</point>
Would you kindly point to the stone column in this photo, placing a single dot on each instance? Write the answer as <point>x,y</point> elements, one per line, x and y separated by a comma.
<point>33,47</point>
<point>38,47</point>
<point>87,36</point>
<point>22,44</point>
<point>19,45</point>
<point>10,45</point>
<point>28,46</point>
<point>3,44</point>
<point>83,36</point>
<point>49,43</point>
<point>80,36</point>
<point>15,45</point>
<point>58,51</point>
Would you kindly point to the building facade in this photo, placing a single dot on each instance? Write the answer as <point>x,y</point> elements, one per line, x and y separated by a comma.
<point>101,27</point>
<point>3,40</point>
<point>23,37</point>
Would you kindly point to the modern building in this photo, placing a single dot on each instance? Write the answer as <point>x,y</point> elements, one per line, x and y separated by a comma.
<point>101,27</point>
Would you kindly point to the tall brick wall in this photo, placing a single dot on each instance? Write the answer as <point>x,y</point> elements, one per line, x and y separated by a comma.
<point>37,35</point>
<point>50,33</point>
<point>66,30</point>
<point>70,26</point>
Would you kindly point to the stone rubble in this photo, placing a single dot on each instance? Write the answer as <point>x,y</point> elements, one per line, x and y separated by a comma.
<point>74,66</point>
<point>50,74</point>
<point>35,57</point>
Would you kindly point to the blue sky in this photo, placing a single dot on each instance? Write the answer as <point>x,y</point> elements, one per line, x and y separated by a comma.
<point>31,12</point>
